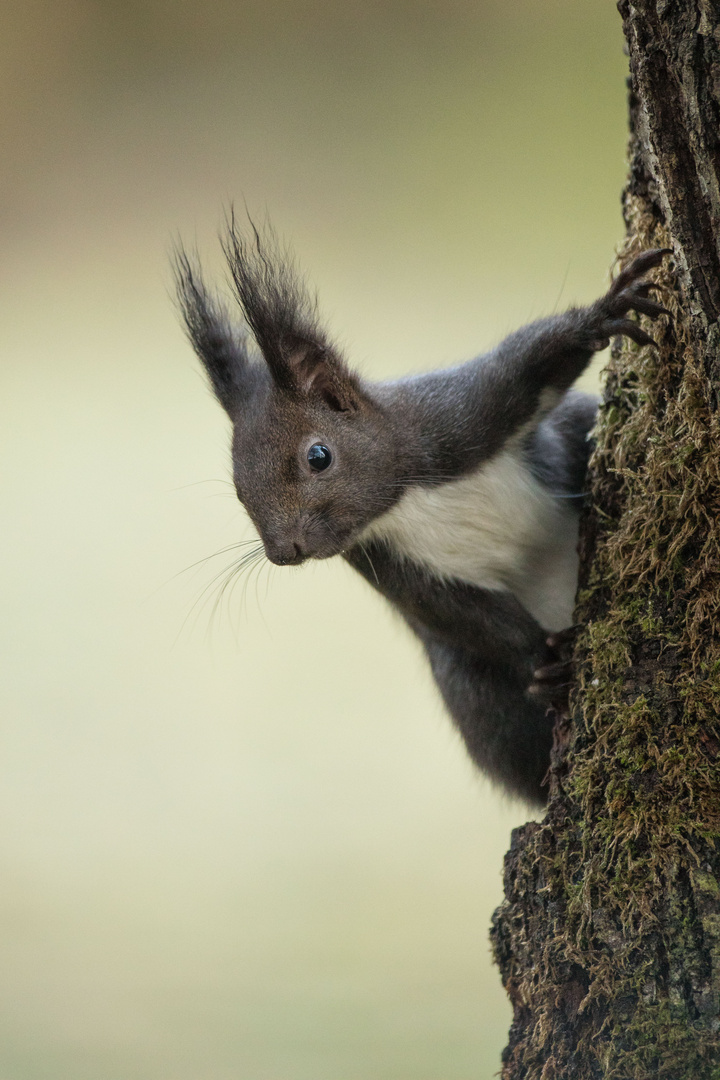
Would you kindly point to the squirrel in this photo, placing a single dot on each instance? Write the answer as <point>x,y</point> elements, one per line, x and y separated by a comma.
<point>455,493</point>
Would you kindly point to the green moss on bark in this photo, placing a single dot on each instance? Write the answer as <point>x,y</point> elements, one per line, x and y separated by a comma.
<point>609,937</point>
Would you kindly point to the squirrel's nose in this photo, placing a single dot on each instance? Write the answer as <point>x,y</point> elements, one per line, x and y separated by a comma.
<point>285,553</point>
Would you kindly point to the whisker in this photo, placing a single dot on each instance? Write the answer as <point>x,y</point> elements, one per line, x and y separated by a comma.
<point>196,483</point>
<point>434,481</point>
<point>372,565</point>
<point>229,571</point>
<point>246,583</point>
<point>256,573</point>
<point>220,551</point>
<point>328,526</point>
<point>244,565</point>
<point>254,570</point>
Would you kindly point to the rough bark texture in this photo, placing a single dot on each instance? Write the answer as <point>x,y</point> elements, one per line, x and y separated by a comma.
<point>609,937</point>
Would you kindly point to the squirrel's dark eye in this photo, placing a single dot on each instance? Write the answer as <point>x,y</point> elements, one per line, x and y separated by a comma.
<point>319,457</point>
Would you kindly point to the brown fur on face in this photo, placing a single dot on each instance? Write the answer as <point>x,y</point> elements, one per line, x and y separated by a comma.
<point>299,513</point>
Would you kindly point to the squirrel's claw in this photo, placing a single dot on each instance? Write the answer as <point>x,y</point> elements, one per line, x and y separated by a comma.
<point>629,293</point>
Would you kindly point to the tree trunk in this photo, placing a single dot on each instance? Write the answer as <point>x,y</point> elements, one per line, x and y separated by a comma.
<point>609,937</point>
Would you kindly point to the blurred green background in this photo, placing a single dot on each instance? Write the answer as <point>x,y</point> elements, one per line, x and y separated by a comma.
<point>226,853</point>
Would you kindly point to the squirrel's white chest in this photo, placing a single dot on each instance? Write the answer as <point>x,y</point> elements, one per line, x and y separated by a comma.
<point>497,528</point>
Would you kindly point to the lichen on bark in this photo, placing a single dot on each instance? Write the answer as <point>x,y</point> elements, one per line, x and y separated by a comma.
<point>609,937</point>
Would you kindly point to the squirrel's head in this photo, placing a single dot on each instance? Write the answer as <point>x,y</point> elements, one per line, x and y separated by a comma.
<point>314,456</point>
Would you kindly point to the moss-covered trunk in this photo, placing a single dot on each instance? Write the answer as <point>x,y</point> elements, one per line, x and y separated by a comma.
<point>609,937</point>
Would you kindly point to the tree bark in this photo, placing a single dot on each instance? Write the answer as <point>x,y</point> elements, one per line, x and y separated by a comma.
<point>608,940</point>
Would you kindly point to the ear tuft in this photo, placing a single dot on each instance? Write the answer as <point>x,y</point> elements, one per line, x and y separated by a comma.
<point>283,317</point>
<point>221,347</point>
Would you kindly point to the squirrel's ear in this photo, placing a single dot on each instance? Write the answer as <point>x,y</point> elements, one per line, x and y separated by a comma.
<point>221,347</point>
<point>283,318</point>
<point>318,372</point>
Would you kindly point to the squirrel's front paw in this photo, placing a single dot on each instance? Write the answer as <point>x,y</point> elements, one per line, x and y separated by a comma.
<point>629,293</point>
